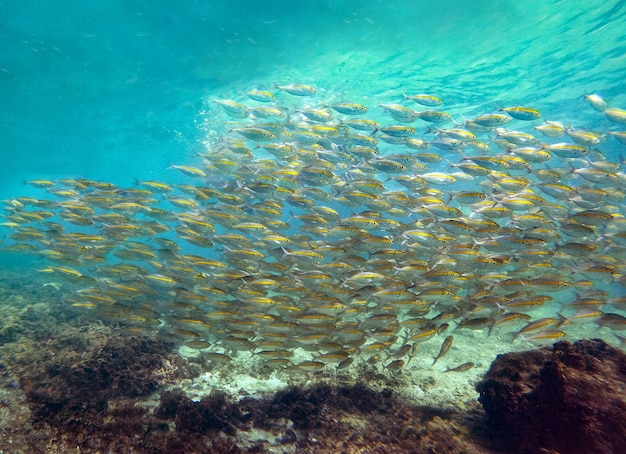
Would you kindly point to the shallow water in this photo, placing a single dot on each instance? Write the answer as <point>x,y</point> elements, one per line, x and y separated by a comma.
<point>115,90</point>
<point>118,91</point>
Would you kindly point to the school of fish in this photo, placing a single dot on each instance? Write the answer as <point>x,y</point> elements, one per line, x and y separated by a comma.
<point>352,232</point>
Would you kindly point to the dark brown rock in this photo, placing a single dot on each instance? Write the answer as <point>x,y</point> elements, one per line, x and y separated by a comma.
<point>212,414</point>
<point>568,399</point>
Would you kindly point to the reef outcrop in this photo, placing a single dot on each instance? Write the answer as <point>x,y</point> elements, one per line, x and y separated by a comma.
<point>125,367</point>
<point>319,418</point>
<point>570,398</point>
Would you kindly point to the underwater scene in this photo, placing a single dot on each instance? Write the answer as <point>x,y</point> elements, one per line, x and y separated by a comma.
<point>313,227</point>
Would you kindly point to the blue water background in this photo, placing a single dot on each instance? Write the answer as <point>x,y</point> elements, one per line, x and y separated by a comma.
<point>117,90</point>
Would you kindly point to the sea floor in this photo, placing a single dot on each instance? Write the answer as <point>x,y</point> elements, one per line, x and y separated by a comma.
<point>69,381</point>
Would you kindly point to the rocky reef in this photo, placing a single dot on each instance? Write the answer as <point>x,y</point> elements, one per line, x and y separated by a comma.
<point>570,398</point>
<point>320,418</point>
<point>125,367</point>
<point>68,383</point>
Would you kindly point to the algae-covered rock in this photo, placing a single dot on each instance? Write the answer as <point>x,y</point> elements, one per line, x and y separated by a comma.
<point>569,399</point>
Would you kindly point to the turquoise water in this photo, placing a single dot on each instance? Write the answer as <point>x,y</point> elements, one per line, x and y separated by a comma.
<point>115,90</point>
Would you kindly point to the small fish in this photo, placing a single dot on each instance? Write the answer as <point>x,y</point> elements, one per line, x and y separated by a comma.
<point>232,108</point>
<point>259,134</point>
<point>439,178</point>
<point>349,108</point>
<point>522,113</point>
<point>442,328</point>
<point>612,321</point>
<point>494,212</point>
<point>362,140</point>
<point>400,113</point>
<point>387,165</point>
<point>197,344</point>
<point>398,130</point>
<point>320,115</point>
<point>420,144</point>
<point>298,89</point>
<point>489,162</point>
<point>189,171</point>
<point>457,133</point>
<point>475,323</point>
<point>460,368</point>
<point>261,96</point>
<point>583,315</point>
<point>447,343</point>
<point>616,115</point>
<point>267,112</point>
<point>40,183</point>
<point>434,116</point>
<point>619,135</point>
<point>333,357</point>
<point>422,237</point>
<point>597,102</point>
<point>309,366</point>
<point>448,144</point>
<point>424,100</point>
<point>362,124</point>
<point>217,357</point>
<point>551,128</point>
<point>567,150</point>
<point>395,365</point>
<point>492,120</point>
<point>585,138</point>
<point>592,217</point>
<point>544,337</point>
<point>516,137</point>
<point>532,154</point>
<point>559,191</point>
